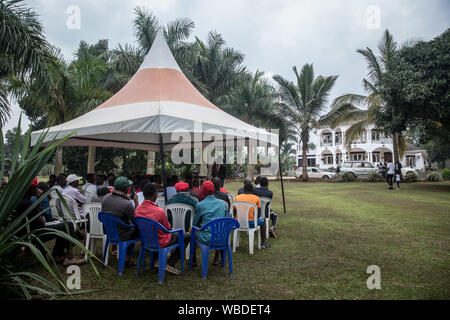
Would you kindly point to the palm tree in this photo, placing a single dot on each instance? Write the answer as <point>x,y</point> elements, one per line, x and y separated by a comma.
<point>73,90</point>
<point>301,104</point>
<point>252,99</point>
<point>363,109</point>
<point>216,69</point>
<point>23,50</point>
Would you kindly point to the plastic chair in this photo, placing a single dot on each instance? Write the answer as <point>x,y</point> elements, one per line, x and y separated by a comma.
<point>243,211</point>
<point>112,237</point>
<point>231,197</point>
<point>148,230</point>
<point>95,227</point>
<point>220,240</point>
<point>178,211</point>
<point>266,203</point>
<point>68,214</point>
<point>54,209</point>
<point>161,202</point>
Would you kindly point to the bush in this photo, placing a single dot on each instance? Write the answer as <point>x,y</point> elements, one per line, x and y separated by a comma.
<point>375,177</point>
<point>434,177</point>
<point>411,177</point>
<point>348,177</point>
<point>446,174</point>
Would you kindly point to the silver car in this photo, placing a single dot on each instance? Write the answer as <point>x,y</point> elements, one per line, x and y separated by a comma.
<point>357,168</point>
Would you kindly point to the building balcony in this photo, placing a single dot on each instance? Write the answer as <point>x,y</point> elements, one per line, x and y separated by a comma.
<point>383,141</point>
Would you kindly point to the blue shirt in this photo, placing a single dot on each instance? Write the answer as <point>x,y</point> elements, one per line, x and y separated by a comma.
<point>45,205</point>
<point>207,210</point>
<point>171,191</point>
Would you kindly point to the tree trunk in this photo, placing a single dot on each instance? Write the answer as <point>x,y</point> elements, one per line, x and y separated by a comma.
<point>58,160</point>
<point>91,159</point>
<point>150,162</point>
<point>395,146</point>
<point>305,138</point>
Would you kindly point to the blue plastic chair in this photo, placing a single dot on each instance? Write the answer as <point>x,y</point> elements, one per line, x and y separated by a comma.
<point>112,237</point>
<point>148,230</point>
<point>220,236</point>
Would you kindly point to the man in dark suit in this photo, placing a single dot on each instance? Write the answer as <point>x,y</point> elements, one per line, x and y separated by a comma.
<point>219,170</point>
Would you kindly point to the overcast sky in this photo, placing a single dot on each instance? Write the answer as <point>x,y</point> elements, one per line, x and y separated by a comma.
<point>274,35</point>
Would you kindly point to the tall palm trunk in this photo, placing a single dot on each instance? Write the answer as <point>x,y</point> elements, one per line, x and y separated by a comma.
<point>395,146</point>
<point>305,139</point>
<point>58,160</point>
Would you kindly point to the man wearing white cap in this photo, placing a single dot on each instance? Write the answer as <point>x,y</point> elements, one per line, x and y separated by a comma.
<point>72,191</point>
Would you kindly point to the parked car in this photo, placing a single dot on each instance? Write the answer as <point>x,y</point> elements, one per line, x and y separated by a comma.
<point>315,173</point>
<point>405,170</point>
<point>357,168</point>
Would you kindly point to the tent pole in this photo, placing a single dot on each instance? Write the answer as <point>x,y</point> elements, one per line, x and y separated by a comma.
<point>163,167</point>
<point>281,176</point>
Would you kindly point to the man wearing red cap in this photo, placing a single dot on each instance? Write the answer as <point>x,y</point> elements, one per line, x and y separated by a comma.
<point>207,210</point>
<point>182,196</point>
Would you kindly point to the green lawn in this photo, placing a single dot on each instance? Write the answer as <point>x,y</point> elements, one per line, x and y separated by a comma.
<point>329,236</point>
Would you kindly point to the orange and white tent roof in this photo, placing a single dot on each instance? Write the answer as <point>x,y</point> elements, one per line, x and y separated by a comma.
<point>158,99</point>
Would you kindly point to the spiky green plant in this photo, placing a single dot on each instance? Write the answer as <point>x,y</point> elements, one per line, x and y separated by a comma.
<point>26,163</point>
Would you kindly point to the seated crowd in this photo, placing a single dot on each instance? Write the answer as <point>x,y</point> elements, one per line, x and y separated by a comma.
<point>136,196</point>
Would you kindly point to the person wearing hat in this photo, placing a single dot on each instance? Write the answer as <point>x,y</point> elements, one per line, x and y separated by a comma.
<point>73,191</point>
<point>119,205</point>
<point>208,209</point>
<point>182,196</point>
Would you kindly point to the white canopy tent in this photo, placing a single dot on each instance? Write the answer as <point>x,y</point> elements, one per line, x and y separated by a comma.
<point>157,102</point>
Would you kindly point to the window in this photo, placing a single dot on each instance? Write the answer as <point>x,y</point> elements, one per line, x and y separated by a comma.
<point>411,161</point>
<point>338,138</point>
<point>327,139</point>
<point>314,170</point>
<point>328,159</point>
<point>358,156</point>
<point>376,157</point>
<point>348,165</point>
<point>376,135</point>
<point>368,165</point>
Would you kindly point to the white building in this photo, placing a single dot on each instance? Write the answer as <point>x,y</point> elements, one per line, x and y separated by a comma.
<point>372,146</point>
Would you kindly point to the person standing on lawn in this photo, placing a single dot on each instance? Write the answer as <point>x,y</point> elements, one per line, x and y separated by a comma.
<point>390,173</point>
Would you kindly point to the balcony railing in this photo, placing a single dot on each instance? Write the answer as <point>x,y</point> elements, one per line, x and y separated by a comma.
<point>382,141</point>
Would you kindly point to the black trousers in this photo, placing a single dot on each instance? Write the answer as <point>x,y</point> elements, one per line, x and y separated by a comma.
<point>390,178</point>
<point>62,246</point>
<point>175,255</point>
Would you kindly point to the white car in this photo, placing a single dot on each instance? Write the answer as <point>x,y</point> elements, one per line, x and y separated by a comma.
<point>405,170</point>
<point>315,173</point>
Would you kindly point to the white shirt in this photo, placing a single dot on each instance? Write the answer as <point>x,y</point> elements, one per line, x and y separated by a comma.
<point>90,191</point>
<point>53,193</point>
<point>391,168</point>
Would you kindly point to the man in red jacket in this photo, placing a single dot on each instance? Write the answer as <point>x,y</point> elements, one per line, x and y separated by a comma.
<point>148,209</point>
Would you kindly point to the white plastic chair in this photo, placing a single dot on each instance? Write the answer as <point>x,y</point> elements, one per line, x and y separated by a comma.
<point>243,211</point>
<point>67,213</point>
<point>95,227</point>
<point>231,198</point>
<point>179,211</point>
<point>161,202</point>
<point>54,210</point>
<point>266,202</point>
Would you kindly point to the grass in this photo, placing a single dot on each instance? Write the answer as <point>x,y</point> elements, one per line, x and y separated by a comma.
<point>329,236</point>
